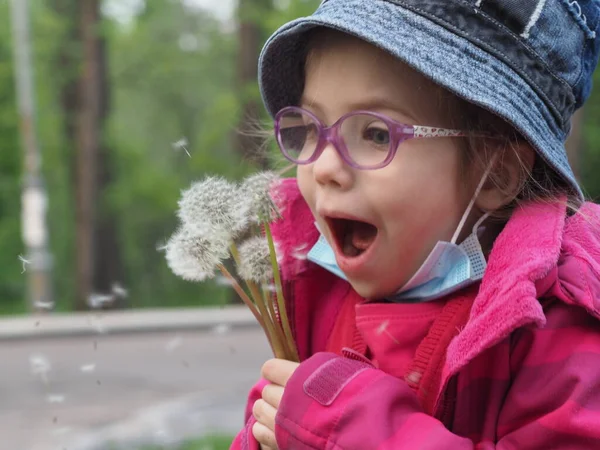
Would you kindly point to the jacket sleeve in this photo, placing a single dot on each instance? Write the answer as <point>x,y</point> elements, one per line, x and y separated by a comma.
<point>338,403</point>
<point>245,439</point>
<point>553,401</point>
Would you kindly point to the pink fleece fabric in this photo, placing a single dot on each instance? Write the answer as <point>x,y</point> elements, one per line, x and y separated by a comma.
<point>522,373</point>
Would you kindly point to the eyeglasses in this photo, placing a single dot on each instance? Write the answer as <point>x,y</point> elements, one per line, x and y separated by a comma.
<point>364,139</point>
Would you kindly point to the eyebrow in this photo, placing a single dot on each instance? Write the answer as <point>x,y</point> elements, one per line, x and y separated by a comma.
<point>371,104</point>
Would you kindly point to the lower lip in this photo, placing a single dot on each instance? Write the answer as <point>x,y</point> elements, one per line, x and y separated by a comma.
<point>352,265</point>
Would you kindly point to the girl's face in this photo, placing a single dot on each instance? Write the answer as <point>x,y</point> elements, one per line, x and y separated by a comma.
<point>381,223</point>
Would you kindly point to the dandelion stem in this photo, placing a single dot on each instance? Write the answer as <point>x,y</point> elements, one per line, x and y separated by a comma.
<point>272,336</point>
<point>243,296</point>
<point>270,299</point>
<point>280,300</point>
<point>278,347</point>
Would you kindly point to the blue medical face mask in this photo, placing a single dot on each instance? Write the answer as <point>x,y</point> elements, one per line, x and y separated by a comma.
<point>449,267</point>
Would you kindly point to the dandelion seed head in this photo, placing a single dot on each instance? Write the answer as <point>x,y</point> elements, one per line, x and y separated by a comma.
<point>255,260</point>
<point>193,257</point>
<point>259,191</point>
<point>212,205</point>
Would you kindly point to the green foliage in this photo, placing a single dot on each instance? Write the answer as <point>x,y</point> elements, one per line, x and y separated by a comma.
<point>215,442</point>
<point>590,164</point>
<point>172,76</point>
<point>12,286</point>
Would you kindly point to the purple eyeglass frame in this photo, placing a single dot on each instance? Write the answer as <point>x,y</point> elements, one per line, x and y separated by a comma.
<point>399,133</point>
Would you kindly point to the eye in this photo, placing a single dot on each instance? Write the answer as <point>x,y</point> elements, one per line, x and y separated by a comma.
<point>312,131</point>
<point>377,134</point>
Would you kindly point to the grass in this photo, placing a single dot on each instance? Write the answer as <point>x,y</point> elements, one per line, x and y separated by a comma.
<point>216,442</point>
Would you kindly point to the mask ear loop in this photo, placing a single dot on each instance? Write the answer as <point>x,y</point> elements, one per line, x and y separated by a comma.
<point>465,216</point>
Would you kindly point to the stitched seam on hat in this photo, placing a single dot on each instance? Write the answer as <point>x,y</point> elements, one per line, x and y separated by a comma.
<point>425,29</point>
<point>504,28</point>
<point>579,17</point>
<point>570,95</point>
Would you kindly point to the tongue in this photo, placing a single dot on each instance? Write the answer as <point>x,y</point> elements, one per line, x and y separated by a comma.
<point>359,236</point>
<point>363,235</point>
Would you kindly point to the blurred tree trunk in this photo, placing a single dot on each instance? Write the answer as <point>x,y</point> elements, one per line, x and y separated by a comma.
<point>250,40</point>
<point>108,269</point>
<point>97,254</point>
<point>574,142</point>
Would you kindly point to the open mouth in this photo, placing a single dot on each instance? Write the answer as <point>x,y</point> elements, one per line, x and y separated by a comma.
<point>353,237</point>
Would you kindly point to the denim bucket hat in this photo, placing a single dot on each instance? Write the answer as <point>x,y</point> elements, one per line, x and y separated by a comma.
<point>529,61</point>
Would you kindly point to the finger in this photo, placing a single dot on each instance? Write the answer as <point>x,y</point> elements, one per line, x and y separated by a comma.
<point>264,413</point>
<point>272,394</point>
<point>263,435</point>
<point>278,371</point>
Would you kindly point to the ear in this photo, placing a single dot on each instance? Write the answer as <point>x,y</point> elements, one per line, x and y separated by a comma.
<point>507,176</point>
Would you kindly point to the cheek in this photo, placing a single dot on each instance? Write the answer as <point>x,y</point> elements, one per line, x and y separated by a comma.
<point>306,184</point>
<point>428,201</point>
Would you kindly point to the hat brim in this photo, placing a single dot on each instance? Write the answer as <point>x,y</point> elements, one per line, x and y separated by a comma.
<point>448,59</point>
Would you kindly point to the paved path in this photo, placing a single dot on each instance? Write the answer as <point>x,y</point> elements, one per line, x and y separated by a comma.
<point>79,392</point>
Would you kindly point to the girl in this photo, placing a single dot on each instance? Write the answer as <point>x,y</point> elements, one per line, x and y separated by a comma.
<point>450,298</point>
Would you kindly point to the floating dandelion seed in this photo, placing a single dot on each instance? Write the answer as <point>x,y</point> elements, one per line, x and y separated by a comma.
<point>55,398</point>
<point>46,306</point>
<point>87,368</point>
<point>222,329</point>
<point>255,260</point>
<point>119,291</point>
<point>270,287</point>
<point>182,144</point>
<point>96,323</point>
<point>383,327</point>
<point>193,257</point>
<point>383,330</point>
<point>161,246</point>
<point>174,344</point>
<point>213,206</point>
<point>97,301</point>
<point>223,281</point>
<point>300,252</point>
<point>25,263</point>
<point>40,365</point>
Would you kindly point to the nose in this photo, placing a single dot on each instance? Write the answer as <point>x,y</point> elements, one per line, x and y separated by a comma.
<point>330,169</point>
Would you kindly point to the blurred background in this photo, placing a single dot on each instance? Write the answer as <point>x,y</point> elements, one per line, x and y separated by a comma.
<point>107,110</point>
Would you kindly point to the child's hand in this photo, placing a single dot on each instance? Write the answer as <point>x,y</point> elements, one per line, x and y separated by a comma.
<point>278,372</point>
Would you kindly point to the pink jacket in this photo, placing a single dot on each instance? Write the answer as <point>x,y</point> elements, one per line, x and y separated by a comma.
<point>523,372</point>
